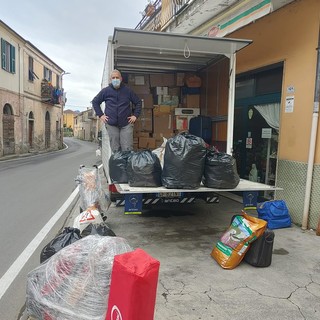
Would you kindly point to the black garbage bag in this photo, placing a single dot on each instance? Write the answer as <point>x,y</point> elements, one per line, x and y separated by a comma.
<point>67,236</point>
<point>220,171</point>
<point>144,169</point>
<point>94,228</point>
<point>184,160</point>
<point>118,166</point>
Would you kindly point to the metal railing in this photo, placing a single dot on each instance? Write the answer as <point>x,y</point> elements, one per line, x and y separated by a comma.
<point>152,13</point>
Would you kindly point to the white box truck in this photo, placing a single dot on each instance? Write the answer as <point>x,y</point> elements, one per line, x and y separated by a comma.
<point>155,53</point>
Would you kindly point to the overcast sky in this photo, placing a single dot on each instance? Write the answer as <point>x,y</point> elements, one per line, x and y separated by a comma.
<point>74,35</point>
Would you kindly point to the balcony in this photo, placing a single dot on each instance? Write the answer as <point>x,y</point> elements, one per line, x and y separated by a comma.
<point>158,14</point>
<point>50,94</point>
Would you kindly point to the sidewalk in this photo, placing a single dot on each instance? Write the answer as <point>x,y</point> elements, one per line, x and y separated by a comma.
<point>193,286</point>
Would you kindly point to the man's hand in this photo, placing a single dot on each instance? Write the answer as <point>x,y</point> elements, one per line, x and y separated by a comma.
<point>104,118</point>
<point>132,119</point>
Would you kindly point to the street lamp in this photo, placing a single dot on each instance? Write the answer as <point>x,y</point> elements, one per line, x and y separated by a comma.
<point>63,102</point>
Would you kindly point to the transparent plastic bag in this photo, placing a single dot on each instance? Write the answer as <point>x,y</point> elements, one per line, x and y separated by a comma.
<point>75,282</point>
<point>90,188</point>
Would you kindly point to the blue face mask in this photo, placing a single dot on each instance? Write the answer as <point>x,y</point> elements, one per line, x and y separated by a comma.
<point>116,83</point>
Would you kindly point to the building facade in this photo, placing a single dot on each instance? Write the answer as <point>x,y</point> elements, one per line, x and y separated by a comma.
<point>31,97</point>
<point>86,125</point>
<point>277,89</point>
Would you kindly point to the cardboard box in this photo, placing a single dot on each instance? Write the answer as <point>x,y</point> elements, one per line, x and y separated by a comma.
<point>162,90</point>
<point>182,123</point>
<point>140,89</point>
<point>191,101</point>
<point>162,109</point>
<point>162,80</point>
<point>147,100</point>
<point>163,125</point>
<point>180,79</point>
<point>144,122</point>
<point>144,134</point>
<point>174,91</point>
<point>138,80</point>
<point>147,143</point>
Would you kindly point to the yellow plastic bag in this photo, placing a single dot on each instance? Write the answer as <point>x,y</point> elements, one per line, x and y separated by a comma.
<point>235,242</point>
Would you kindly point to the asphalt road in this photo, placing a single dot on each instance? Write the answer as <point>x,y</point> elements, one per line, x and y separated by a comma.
<point>32,189</point>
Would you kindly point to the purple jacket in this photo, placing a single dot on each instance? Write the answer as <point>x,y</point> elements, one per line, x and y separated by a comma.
<point>117,104</point>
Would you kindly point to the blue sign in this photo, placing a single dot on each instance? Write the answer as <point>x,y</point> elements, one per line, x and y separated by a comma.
<point>250,199</point>
<point>133,203</point>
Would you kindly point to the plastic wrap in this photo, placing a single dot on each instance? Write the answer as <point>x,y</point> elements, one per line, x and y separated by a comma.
<point>75,282</point>
<point>90,188</point>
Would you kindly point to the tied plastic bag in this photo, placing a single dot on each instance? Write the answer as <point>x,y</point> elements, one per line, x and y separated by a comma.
<point>91,215</point>
<point>235,242</point>
<point>184,161</point>
<point>75,282</point>
<point>220,171</point>
<point>66,237</point>
<point>144,169</point>
<point>118,166</point>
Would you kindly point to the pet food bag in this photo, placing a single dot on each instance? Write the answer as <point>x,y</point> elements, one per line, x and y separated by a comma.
<point>234,243</point>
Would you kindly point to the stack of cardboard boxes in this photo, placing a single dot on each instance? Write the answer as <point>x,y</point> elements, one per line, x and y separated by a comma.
<point>167,107</point>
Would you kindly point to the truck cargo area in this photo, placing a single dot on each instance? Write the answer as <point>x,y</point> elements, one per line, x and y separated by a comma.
<point>156,65</point>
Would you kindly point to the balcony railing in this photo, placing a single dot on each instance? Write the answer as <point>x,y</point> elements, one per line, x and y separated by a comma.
<point>157,14</point>
<point>50,94</point>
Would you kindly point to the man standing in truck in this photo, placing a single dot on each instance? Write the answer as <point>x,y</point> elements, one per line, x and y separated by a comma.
<point>118,116</point>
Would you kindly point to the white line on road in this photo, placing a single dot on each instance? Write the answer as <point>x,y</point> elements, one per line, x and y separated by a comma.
<point>16,267</point>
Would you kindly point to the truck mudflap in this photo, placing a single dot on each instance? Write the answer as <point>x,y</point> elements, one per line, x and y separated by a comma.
<point>173,197</point>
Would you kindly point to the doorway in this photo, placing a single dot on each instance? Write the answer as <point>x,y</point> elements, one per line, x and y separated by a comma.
<point>47,131</point>
<point>8,130</point>
<point>30,129</point>
<point>256,123</point>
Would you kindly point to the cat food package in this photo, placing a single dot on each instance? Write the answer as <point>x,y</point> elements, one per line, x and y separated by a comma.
<point>235,242</point>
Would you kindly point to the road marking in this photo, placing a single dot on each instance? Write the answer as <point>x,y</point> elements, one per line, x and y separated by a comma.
<point>16,267</point>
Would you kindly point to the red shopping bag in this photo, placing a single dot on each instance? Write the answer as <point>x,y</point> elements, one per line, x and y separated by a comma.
<point>133,286</point>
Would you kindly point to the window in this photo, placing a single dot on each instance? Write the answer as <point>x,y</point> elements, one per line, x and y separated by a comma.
<point>31,76</point>
<point>57,81</point>
<point>8,56</point>
<point>260,82</point>
<point>47,74</point>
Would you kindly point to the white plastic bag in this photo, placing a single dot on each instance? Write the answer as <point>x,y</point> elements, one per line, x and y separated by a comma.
<point>91,215</point>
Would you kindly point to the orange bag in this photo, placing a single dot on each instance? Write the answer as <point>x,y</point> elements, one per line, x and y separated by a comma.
<point>235,242</point>
<point>133,286</point>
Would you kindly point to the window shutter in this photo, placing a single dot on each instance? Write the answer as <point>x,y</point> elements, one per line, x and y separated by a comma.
<point>13,59</point>
<point>3,54</point>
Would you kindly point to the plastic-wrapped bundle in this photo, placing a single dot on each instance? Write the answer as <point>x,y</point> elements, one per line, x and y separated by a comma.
<point>220,171</point>
<point>144,169</point>
<point>75,282</point>
<point>118,166</point>
<point>184,160</point>
<point>90,188</point>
